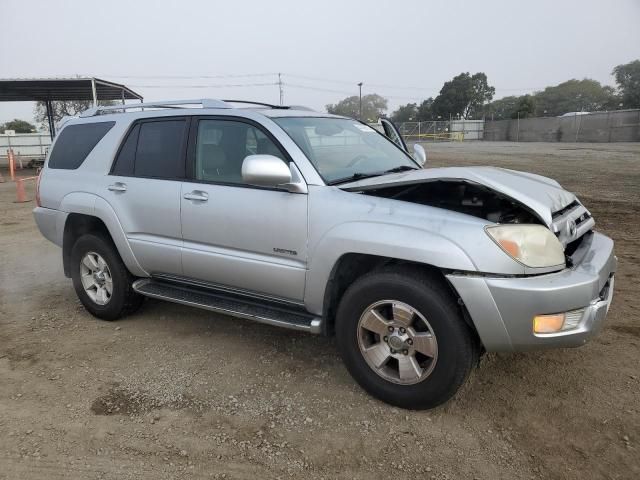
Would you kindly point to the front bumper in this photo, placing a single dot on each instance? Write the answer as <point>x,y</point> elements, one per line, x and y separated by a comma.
<point>502,309</point>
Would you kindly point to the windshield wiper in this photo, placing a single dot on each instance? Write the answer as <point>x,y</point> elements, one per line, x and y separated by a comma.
<point>360,175</point>
<point>353,177</point>
<point>401,168</point>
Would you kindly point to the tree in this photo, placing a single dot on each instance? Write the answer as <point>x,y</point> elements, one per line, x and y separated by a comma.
<point>628,80</point>
<point>20,126</point>
<point>63,108</point>
<point>425,110</point>
<point>405,113</point>
<point>526,107</point>
<point>502,108</point>
<point>585,95</point>
<point>373,107</point>
<point>463,96</point>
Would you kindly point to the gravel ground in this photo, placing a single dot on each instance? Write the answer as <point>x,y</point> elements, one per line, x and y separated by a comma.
<point>177,392</point>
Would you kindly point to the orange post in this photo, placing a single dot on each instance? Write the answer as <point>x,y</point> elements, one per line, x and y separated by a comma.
<point>12,164</point>
<point>21,194</point>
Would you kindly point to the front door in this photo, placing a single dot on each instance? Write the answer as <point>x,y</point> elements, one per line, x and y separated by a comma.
<point>392,132</point>
<point>236,235</point>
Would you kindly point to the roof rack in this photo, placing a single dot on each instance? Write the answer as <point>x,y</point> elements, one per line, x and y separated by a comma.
<point>249,102</point>
<point>204,102</point>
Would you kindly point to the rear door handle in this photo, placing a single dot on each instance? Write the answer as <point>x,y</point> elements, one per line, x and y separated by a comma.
<point>118,187</point>
<point>197,196</point>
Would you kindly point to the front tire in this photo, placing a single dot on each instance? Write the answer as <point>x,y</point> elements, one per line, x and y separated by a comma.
<point>402,337</point>
<point>101,280</point>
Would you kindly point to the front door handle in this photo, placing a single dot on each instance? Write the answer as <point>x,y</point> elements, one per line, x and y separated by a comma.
<point>118,187</point>
<point>197,196</point>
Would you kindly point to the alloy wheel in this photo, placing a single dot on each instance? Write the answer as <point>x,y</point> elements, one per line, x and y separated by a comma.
<point>397,342</point>
<point>96,278</point>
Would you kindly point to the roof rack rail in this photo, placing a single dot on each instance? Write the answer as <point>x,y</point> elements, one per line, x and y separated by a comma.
<point>204,102</point>
<point>249,102</point>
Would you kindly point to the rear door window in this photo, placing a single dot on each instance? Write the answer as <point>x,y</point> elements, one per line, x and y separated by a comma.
<point>161,148</point>
<point>153,149</point>
<point>75,144</point>
<point>127,155</point>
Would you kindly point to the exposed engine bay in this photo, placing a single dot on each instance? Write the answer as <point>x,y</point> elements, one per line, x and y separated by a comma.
<point>459,196</point>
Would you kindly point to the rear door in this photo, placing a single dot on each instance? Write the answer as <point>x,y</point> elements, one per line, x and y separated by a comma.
<point>391,131</point>
<point>237,235</point>
<point>144,190</point>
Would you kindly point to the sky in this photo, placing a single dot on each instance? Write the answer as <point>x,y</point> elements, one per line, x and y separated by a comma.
<point>402,50</point>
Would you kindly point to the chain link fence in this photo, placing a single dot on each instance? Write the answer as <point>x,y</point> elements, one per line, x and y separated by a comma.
<point>442,130</point>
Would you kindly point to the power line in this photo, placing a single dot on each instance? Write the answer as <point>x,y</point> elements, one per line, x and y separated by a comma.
<point>218,85</point>
<point>304,77</point>
<point>419,93</point>
<point>347,82</point>
<point>396,87</point>
<point>345,92</point>
<point>191,77</point>
<point>295,75</point>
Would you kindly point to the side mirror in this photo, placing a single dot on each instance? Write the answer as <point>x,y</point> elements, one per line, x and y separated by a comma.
<point>265,171</point>
<point>419,154</point>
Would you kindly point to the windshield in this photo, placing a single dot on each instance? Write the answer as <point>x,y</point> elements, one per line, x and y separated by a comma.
<point>343,149</point>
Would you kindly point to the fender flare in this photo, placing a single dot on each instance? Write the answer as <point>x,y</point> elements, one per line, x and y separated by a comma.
<point>92,205</point>
<point>383,240</point>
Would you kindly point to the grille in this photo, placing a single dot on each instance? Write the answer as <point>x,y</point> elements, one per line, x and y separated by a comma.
<point>566,209</point>
<point>571,222</point>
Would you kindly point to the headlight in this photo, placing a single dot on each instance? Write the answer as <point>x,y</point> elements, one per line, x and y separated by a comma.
<point>532,245</point>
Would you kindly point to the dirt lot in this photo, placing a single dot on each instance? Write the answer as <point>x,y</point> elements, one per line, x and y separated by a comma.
<point>176,392</point>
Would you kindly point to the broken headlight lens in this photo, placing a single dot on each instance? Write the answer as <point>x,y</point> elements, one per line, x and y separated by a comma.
<point>532,245</point>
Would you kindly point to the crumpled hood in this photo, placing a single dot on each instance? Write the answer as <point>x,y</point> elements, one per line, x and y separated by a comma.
<point>540,194</point>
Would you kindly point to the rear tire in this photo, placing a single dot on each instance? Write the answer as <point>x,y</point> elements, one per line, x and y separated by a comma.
<point>101,280</point>
<point>403,338</point>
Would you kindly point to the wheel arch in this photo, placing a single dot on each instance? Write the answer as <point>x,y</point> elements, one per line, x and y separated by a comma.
<point>97,216</point>
<point>351,266</point>
<point>391,242</point>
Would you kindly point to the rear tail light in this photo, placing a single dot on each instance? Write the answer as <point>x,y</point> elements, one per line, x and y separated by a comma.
<point>38,189</point>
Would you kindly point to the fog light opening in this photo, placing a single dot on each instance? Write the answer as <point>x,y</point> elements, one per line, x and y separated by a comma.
<point>548,323</point>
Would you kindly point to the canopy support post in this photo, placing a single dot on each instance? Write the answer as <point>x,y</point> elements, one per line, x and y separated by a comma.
<point>52,125</point>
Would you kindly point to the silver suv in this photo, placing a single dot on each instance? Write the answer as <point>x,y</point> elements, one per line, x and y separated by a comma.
<point>320,223</point>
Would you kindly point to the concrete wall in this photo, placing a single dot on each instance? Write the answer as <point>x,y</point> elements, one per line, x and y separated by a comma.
<point>617,126</point>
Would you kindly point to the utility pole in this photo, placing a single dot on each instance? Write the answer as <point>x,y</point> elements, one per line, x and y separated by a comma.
<point>280,88</point>
<point>360,86</point>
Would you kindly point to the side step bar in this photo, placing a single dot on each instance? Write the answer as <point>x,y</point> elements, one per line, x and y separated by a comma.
<point>229,304</point>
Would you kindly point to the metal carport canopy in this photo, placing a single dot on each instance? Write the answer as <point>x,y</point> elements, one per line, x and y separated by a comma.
<point>51,89</point>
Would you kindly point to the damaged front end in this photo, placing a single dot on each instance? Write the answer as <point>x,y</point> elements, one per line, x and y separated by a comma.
<point>459,196</point>
<point>497,195</point>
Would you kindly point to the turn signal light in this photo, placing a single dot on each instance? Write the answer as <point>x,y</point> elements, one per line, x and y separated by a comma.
<point>510,247</point>
<point>548,323</point>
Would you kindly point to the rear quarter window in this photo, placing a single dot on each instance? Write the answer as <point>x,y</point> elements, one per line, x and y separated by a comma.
<point>75,143</point>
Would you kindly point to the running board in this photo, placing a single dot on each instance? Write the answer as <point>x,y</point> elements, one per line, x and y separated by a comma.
<point>229,304</point>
